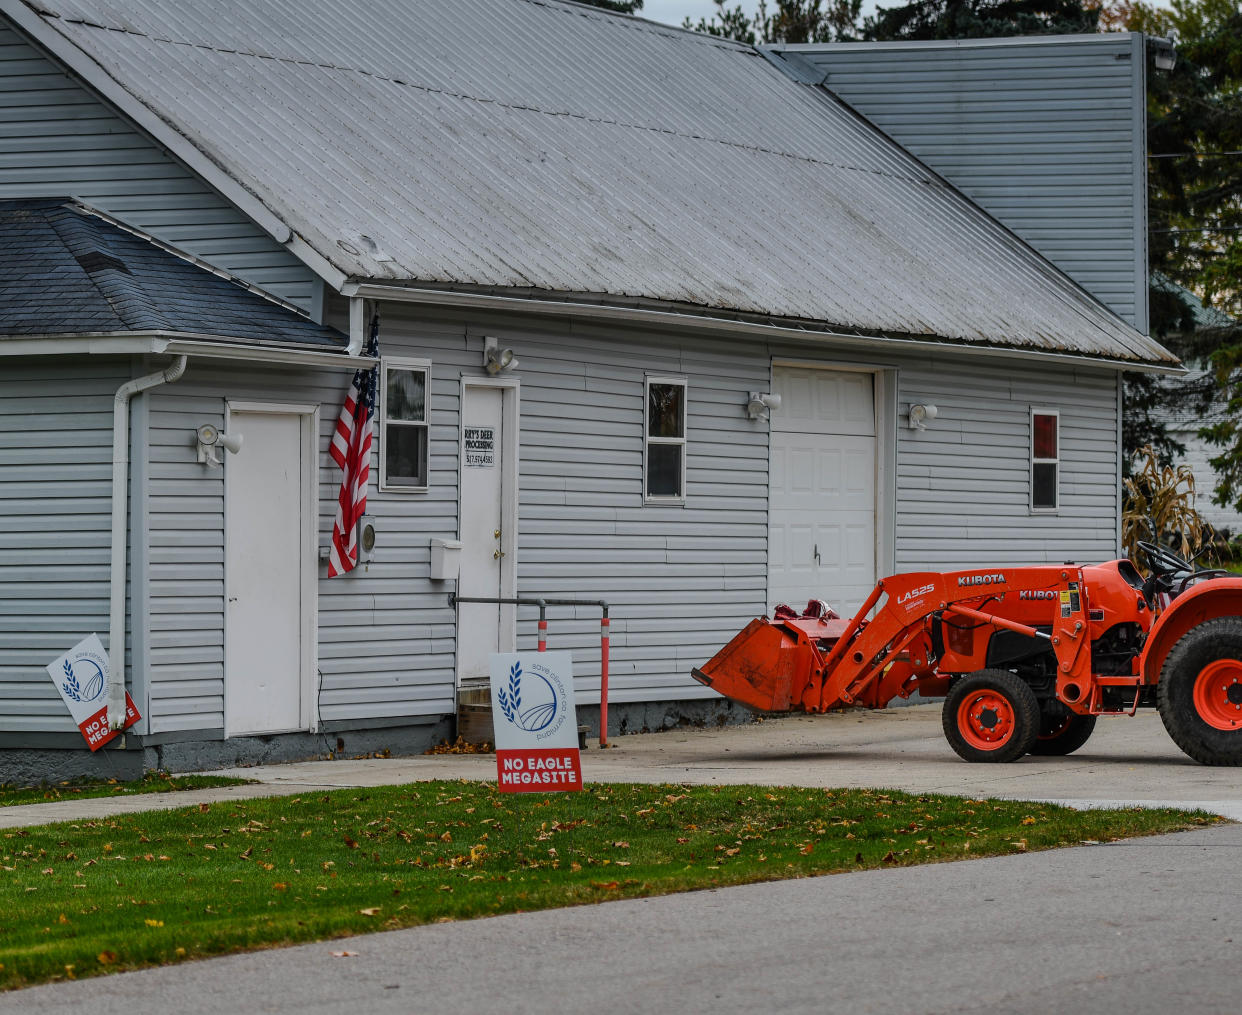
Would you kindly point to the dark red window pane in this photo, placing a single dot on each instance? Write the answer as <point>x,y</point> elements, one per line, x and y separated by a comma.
<point>1045,436</point>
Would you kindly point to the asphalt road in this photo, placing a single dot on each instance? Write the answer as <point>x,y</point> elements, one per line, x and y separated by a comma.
<point>1151,925</point>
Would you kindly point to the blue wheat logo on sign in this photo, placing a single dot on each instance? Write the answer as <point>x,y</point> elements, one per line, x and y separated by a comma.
<point>93,687</point>
<point>539,713</point>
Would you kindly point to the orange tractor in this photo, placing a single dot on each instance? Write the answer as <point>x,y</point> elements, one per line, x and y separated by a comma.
<point>1026,657</point>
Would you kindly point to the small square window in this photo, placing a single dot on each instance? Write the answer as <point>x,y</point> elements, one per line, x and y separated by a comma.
<point>1045,459</point>
<point>403,425</point>
<point>664,446</point>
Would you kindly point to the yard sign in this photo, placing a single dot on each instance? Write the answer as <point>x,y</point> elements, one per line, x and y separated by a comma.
<point>81,676</point>
<point>535,724</point>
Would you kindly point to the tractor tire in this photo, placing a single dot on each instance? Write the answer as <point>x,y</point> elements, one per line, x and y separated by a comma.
<point>991,716</point>
<point>1200,692</point>
<point>1061,731</point>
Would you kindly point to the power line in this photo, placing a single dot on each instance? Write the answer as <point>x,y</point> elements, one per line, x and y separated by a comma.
<point>1196,155</point>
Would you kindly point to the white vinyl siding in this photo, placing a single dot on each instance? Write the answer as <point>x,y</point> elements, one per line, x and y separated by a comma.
<point>56,494</point>
<point>1047,134</point>
<point>964,483</point>
<point>58,140</point>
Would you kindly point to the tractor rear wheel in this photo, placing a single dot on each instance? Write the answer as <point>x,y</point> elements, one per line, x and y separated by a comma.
<point>991,715</point>
<point>1200,692</point>
<point>1061,731</point>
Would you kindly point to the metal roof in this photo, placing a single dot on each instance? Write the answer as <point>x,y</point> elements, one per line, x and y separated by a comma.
<point>66,270</point>
<point>541,145</point>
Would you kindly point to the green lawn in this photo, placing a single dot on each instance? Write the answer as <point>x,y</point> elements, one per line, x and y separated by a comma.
<point>79,899</point>
<point>152,782</point>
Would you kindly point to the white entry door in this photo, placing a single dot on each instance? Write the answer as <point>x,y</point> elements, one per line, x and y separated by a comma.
<point>266,623</point>
<point>487,515</point>
<point>822,489</point>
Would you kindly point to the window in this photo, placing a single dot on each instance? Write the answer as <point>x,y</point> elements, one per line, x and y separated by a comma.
<point>664,450</point>
<point>403,424</point>
<point>1045,459</point>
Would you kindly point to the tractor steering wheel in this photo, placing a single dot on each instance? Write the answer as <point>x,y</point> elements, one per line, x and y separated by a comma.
<point>1162,560</point>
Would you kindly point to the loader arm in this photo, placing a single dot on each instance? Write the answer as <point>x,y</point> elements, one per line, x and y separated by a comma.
<point>794,665</point>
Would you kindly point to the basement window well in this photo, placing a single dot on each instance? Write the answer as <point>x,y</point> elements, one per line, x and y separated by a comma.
<point>1045,459</point>
<point>404,388</point>
<point>664,446</point>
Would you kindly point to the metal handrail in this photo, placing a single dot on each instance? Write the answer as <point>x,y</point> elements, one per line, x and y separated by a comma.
<point>543,603</point>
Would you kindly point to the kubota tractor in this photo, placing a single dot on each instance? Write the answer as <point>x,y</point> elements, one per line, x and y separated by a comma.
<point>1026,657</point>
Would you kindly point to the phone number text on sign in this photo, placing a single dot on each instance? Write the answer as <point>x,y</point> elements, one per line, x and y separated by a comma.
<point>479,447</point>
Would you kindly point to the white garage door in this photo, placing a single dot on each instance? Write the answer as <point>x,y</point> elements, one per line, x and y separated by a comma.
<point>822,504</point>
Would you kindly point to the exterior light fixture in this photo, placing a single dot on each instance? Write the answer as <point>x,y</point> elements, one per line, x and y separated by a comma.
<point>1164,52</point>
<point>209,438</point>
<point>758,403</point>
<point>495,359</point>
<point>921,415</point>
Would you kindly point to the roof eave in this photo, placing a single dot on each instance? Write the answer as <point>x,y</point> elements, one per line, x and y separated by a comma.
<point>708,320</point>
<point>131,343</point>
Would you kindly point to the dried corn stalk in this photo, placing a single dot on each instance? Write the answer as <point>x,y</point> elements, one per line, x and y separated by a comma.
<point>1160,508</point>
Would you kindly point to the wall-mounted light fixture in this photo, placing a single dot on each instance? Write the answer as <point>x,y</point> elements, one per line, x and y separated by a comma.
<point>921,415</point>
<point>1164,52</point>
<point>495,359</point>
<point>758,403</point>
<point>209,438</point>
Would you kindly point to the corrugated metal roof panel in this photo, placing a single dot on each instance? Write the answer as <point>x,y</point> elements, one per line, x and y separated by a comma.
<point>543,145</point>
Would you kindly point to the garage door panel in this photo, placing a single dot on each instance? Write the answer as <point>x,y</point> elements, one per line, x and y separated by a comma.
<point>822,505</point>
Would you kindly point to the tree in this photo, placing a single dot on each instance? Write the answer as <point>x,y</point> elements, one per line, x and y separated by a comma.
<point>792,21</point>
<point>620,6</point>
<point>978,19</point>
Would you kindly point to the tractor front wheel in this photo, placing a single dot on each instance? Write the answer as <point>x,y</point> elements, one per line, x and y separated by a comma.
<point>991,715</point>
<point>1061,731</point>
<point>1200,692</point>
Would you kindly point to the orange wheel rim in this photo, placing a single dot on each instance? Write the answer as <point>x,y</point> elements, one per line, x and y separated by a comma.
<point>1218,694</point>
<point>986,720</point>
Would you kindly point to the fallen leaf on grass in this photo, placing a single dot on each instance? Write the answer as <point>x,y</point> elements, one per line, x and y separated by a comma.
<point>606,886</point>
<point>106,958</point>
<point>373,911</point>
<point>1020,845</point>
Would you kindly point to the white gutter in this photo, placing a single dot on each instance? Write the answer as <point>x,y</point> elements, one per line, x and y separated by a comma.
<point>120,524</point>
<point>772,332</point>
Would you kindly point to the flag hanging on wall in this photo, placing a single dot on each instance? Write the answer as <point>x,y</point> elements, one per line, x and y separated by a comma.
<point>351,450</point>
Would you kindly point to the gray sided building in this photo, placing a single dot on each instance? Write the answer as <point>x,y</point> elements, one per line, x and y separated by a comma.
<point>658,225</point>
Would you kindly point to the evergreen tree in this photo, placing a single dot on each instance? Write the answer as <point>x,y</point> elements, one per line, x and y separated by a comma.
<point>980,19</point>
<point>620,6</point>
<point>791,21</point>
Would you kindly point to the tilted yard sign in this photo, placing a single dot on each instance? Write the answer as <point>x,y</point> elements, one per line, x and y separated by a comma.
<point>81,677</point>
<point>535,724</point>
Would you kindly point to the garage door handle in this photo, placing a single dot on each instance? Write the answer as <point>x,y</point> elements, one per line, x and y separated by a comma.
<point>817,553</point>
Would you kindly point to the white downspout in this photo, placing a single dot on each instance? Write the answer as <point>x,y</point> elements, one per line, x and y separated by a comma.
<point>120,526</point>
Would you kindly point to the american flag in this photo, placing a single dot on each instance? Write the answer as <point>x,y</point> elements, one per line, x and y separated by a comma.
<point>351,450</point>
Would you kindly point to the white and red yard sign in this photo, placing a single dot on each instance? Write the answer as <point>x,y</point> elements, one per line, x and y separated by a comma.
<point>81,676</point>
<point>535,724</point>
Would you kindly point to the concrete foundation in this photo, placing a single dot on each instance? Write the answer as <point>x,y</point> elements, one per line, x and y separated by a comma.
<point>32,767</point>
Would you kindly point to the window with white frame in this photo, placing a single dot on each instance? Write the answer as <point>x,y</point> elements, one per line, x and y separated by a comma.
<point>1045,459</point>
<point>664,447</point>
<point>404,387</point>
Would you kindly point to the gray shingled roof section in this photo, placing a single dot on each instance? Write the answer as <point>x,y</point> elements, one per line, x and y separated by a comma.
<point>552,149</point>
<point>64,271</point>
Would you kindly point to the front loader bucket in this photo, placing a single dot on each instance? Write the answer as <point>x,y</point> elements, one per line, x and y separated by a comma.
<point>766,666</point>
